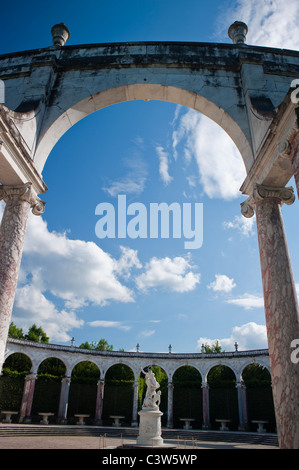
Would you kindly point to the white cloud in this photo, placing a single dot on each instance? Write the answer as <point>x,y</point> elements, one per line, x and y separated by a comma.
<point>133,182</point>
<point>127,261</point>
<point>147,333</point>
<point>243,224</point>
<point>248,336</point>
<point>222,283</point>
<point>31,306</point>
<point>109,324</point>
<point>271,23</point>
<point>163,165</point>
<point>172,274</point>
<point>247,301</point>
<point>76,273</point>
<point>220,165</point>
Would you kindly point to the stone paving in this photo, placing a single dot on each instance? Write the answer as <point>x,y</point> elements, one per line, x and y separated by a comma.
<point>82,442</point>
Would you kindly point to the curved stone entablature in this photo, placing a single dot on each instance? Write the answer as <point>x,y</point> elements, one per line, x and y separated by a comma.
<point>240,87</point>
<point>169,362</point>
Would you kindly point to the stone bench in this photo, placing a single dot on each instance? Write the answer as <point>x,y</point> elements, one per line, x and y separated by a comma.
<point>187,422</point>
<point>117,419</point>
<point>224,423</point>
<point>81,418</point>
<point>8,415</point>
<point>260,427</point>
<point>45,416</point>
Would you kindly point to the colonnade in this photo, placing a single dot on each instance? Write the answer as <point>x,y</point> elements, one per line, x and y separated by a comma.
<point>30,381</point>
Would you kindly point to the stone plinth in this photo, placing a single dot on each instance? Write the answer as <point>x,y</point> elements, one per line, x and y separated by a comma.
<point>150,428</point>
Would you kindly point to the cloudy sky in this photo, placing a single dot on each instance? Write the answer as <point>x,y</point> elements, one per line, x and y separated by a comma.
<point>154,292</point>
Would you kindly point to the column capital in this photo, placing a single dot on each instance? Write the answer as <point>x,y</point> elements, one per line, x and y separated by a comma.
<point>23,192</point>
<point>260,192</point>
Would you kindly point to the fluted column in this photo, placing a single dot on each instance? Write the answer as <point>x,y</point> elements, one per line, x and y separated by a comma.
<point>63,400</point>
<point>99,402</point>
<point>134,422</point>
<point>170,406</point>
<point>242,406</point>
<point>281,307</point>
<point>19,200</point>
<point>27,398</point>
<point>205,406</point>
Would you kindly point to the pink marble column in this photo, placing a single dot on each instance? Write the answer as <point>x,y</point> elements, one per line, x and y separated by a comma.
<point>64,400</point>
<point>292,150</point>
<point>27,398</point>
<point>170,405</point>
<point>99,402</point>
<point>205,406</point>
<point>242,406</point>
<point>19,200</point>
<point>134,423</point>
<point>281,307</point>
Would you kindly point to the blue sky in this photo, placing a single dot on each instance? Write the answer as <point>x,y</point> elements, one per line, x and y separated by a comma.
<point>148,291</point>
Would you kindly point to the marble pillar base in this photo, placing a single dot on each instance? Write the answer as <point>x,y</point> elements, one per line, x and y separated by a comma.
<point>150,428</point>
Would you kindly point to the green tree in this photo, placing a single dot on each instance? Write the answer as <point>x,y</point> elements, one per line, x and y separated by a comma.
<point>215,348</point>
<point>37,334</point>
<point>102,345</point>
<point>15,332</point>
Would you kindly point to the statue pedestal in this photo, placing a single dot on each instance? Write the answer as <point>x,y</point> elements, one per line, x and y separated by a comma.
<point>150,428</point>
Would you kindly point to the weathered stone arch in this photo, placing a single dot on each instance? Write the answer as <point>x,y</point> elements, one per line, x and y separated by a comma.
<point>26,354</point>
<point>81,359</point>
<point>145,92</point>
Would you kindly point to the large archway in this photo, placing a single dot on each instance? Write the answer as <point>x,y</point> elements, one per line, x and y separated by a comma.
<point>265,117</point>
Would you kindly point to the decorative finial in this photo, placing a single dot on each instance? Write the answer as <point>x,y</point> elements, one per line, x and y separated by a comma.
<point>237,32</point>
<point>60,34</point>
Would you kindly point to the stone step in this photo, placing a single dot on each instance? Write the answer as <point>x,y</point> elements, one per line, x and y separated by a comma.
<point>11,430</point>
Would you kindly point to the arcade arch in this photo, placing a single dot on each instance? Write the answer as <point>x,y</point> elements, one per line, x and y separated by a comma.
<point>223,396</point>
<point>187,396</point>
<point>119,393</point>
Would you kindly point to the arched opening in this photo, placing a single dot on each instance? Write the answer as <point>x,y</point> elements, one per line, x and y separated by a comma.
<point>47,388</point>
<point>118,395</point>
<point>83,391</point>
<point>187,396</point>
<point>223,397</point>
<point>259,395</point>
<point>78,110</point>
<point>15,369</point>
<point>162,380</point>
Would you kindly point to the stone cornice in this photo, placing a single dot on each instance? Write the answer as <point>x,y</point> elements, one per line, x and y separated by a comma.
<point>132,354</point>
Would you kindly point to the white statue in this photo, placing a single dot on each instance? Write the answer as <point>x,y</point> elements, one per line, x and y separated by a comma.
<point>152,397</point>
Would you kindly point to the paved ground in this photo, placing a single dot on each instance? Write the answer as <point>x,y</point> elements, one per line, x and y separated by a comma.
<point>80,442</point>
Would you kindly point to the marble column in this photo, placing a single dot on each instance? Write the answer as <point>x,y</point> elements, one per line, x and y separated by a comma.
<point>63,400</point>
<point>281,306</point>
<point>27,398</point>
<point>134,423</point>
<point>290,149</point>
<point>19,200</point>
<point>205,406</point>
<point>99,402</point>
<point>170,406</point>
<point>242,406</point>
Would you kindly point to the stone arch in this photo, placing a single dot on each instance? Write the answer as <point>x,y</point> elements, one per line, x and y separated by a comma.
<point>223,396</point>
<point>187,395</point>
<point>118,395</point>
<point>50,371</point>
<point>9,358</point>
<point>76,111</point>
<point>83,388</point>
<point>260,406</point>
